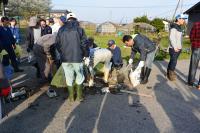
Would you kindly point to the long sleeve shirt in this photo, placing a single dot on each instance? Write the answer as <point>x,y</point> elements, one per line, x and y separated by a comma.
<point>195,35</point>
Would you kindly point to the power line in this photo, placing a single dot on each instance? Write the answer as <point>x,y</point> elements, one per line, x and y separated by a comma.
<point>90,6</point>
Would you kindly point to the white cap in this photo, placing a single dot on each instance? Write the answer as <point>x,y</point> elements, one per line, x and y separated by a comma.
<point>71,15</point>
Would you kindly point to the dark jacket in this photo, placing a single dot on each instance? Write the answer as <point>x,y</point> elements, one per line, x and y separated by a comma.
<point>143,45</point>
<point>71,43</point>
<point>116,58</point>
<point>46,30</point>
<point>6,37</point>
<point>16,33</point>
<point>30,38</point>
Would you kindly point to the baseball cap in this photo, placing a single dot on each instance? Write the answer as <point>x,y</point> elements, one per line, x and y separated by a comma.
<point>71,15</point>
<point>181,16</point>
<point>111,42</point>
<point>63,19</point>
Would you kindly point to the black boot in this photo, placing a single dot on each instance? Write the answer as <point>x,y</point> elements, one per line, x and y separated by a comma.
<point>142,73</point>
<point>147,73</point>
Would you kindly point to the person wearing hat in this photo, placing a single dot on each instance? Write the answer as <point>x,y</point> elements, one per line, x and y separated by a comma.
<point>73,48</point>
<point>63,20</point>
<point>44,56</point>
<point>116,60</point>
<point>116,52</point>
<point>147,49</point>
<point>175,46</point>
<point>33,34</point>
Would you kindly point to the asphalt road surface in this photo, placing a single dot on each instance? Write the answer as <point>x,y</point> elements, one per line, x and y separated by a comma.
<point>172,107</point>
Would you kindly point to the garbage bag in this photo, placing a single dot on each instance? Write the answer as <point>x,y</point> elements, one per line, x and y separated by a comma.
<point>59,80</point>
<point>135,77</point>
<point>18,51</point>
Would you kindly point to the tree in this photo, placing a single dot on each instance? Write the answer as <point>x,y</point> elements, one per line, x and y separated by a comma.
<point>158,24</point>
<point>143,19</point>
<point>28,8</point>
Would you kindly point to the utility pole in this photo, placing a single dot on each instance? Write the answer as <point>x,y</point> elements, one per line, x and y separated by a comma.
<point>176,9</point>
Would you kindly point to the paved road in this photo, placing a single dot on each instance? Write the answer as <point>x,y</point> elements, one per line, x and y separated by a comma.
<point>174,108</point>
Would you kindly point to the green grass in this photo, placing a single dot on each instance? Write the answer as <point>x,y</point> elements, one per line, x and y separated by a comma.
<point>101,41</point>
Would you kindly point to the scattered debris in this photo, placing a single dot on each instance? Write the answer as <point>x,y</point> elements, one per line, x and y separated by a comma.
<point>51,93</point>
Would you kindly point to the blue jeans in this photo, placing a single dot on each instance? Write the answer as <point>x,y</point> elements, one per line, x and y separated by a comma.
<point>194,62</point>
<point>173,59</point>
<point>150,58</point>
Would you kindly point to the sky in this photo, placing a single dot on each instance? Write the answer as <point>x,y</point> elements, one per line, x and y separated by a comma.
<point>121,11</point>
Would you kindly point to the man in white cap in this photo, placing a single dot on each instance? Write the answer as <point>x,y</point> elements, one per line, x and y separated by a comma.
<point>71,44</point>
<point>175,46</point>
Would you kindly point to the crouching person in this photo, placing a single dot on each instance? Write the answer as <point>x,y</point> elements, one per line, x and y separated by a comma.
<point>116,60</point>
<point>43,56</point>
<point>71,44</point>
<point>100,55</point>
<point>146,48</point>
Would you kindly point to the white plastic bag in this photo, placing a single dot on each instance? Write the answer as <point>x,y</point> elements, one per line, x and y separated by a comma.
<point>135,77</point>
<point>31,57</point>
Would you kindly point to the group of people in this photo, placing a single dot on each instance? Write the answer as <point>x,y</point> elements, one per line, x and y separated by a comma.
<point>60,41</point>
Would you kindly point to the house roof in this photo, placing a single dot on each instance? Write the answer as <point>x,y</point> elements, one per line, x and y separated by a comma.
<point>58,11</point>
<point>195,7</point>
<point>108,22</point>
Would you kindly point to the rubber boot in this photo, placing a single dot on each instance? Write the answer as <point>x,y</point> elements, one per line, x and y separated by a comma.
<point>170,75</point>
<point>79,93</point>
<point>142,73</point>
<point>146,76</point>
<point>71,93</point>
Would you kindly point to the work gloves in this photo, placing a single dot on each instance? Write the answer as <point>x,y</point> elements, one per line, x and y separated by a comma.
<point>140,65</point>
<point>130,61</point>
<point>86,61</point>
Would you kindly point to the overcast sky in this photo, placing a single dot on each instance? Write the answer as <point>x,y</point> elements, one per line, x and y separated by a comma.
<point>121,11</point>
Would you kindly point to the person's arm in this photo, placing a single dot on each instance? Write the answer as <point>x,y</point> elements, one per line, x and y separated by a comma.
<point>84,44</point>
<point>29,40</point>
<point>17,35</point>
<point>143,52</point>
<point>133,53</point>
<point>49,30</point>
<point>58,41</point>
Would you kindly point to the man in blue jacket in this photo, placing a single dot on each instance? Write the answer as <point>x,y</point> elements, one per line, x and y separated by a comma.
<point>147,49</point>
<point>7,42</point>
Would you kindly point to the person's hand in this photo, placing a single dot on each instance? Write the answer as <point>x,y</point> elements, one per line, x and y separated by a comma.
<point>176,49</point>
<point>130,61</point>
<point>14,46</point>
<point>141,64</point>
<point>86,61</point>
<point>28,50</point>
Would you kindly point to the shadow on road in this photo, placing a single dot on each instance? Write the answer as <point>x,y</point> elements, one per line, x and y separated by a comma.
<point>34,118</point>
<point>110,113</point>
<point>178,101</point>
